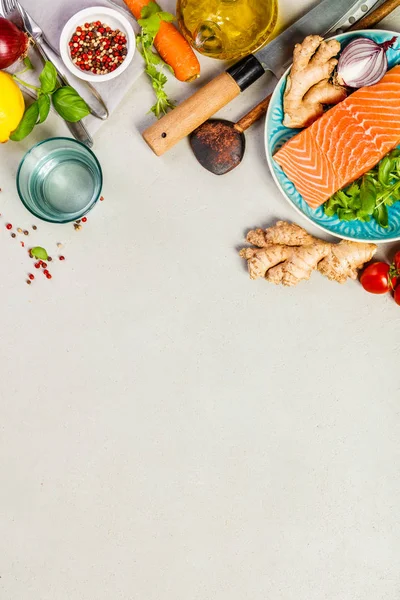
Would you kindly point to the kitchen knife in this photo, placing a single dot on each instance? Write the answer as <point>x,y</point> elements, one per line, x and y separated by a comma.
<point>273,57</point>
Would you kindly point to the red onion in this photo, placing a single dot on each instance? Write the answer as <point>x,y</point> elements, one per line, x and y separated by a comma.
<point>363,62</point>
<point>13,43</point>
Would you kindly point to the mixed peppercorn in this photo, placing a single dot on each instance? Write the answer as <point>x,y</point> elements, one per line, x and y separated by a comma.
<point>97,48</point>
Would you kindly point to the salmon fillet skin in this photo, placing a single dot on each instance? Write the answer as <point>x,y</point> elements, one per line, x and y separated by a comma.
<point>346,142</point>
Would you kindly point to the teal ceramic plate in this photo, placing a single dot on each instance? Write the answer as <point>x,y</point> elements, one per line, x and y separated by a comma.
<point>276,135</point>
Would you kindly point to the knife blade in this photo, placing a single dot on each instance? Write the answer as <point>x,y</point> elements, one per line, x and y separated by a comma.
<point>323,18</point>
<point>274,57</point>
<point>85,89</point>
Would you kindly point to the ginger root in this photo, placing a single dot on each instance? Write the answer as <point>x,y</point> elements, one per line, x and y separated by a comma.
<point>286,254</point>
<point>308,86</point>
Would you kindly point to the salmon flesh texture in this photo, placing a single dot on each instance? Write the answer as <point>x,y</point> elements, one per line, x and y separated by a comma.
<point>346,142</point>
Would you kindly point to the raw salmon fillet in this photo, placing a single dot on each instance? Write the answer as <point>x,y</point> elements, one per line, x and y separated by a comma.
<point>346,142</point>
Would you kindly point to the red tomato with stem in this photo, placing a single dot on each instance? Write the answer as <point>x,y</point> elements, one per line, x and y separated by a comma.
<point>396,261</point>
<point>379,278</point>
<point>396,295</point>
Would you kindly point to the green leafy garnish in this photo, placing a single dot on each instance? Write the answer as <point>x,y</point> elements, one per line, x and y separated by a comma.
<point>69,104</point>
<point>150,21</point>
<point>28,64</point>
<point>27,123</point>
<point>370,196</point>
<point>66,101</point>
<point>44,107</point>
<point>48,78</point>
<point>39,252</point>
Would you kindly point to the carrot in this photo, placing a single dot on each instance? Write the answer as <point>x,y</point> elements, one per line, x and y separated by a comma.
<point>171,46</point>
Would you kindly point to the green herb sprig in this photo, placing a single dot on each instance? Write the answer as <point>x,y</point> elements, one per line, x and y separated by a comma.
<point>369,196</point>
<point>66,101</point>
<point>150,21</point>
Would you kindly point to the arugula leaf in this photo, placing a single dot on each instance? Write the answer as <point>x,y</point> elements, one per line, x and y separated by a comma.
<point>48,78</point>
<point>69,104</point>
<point>370,195</point>
<point>381,215</point>
<point>385,169</point>
<point>367,196</point>
<point>27,123</point>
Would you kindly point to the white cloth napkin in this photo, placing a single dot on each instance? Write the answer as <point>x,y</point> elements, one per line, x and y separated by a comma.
<point>51,15</point>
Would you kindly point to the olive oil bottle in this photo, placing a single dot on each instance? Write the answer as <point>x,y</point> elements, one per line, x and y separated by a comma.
<point>227,29</point>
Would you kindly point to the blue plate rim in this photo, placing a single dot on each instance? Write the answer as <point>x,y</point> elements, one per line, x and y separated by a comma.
<point>269,154</point>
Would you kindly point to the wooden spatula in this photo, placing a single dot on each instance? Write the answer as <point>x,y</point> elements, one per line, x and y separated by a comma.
<point>219,145</point>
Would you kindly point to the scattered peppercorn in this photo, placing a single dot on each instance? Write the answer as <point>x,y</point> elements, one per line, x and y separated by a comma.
<point>44,265</point>
<point>62,257</point>
<point>101,198</point>
<point>45,271</point>
<point>19,230</point>
<point>77,226</point>
<point>97,48</point>
<point>9,226</point>
<point>13,235</point>
<point>84,219</point>
<point>37,265</point>
<point>26,232</point>
<point>28,281</point>
<point>49,258</point>
<point>31,276</point>
<point>48,276</point>
<point>34,227</point>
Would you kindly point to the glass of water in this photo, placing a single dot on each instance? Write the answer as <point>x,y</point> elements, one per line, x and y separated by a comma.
<point>59,180</point>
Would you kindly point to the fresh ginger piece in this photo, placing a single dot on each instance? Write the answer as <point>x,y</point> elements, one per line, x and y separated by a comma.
<point>287,254</point>
<point>299,265</point>
<point>282,232</point>
<point>345,259</point>
<point>260,260</point>
<point>308,86</point>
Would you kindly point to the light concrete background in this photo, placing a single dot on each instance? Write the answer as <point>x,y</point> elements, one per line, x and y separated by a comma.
<point>172,430</point>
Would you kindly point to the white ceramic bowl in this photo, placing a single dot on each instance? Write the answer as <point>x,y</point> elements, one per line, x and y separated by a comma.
<point>112,18</point>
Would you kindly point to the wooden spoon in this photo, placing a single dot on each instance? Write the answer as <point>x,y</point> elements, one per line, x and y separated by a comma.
<point>219,145</point>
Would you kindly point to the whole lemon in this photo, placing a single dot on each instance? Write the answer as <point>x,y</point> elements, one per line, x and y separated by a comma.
<point>12,106</point>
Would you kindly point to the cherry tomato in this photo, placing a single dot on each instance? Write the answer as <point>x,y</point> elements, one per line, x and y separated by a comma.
<point>378,278</point>
<point>396,261</point>
<point>397,295</point>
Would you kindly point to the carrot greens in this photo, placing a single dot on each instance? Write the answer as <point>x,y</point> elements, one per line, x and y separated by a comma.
<point>150,21</point>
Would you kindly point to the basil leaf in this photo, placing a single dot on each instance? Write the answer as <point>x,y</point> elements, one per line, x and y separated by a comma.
<point>385,168</point>
<point>48,78</point>
<point>367,196</point>
<point>381,215</point>
<point>27,123</point>
<point>39,252</point>
<point>44,107</point>
<point>69,105</point>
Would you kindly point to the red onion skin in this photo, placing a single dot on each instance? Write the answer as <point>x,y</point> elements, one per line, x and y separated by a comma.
<point>364,49</point>
<point>13,43</point>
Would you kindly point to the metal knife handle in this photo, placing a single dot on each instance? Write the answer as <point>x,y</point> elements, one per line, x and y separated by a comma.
<point>86,90</point>
<point>77,129</point>
<point>80,133</point>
